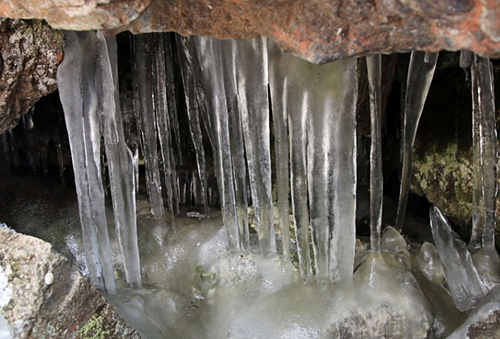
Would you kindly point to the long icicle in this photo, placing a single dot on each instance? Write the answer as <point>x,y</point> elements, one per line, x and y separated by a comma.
<point>376,178</point>
<point>485,258</point>
<point>192,108</point>
<point>343,172</point>
<point>120,161</point>
<point>298,179</point>
<point>162,119</point>
<point>476,240</point>
<point>420,73</point>
<point>278,89</point>
<point>238,155</point>
<point>209,55</point>
<point>147,120</point>
<point>253,96</point>
<point>483,77</point>
<point>172,97</point>
<point>77,77</point>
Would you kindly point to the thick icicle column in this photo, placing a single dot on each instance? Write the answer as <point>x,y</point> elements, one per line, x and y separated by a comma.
<point>88,80</point>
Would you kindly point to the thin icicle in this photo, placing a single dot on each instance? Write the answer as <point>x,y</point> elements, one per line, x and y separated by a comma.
<point>162,119</point>
<point>297,114</point>
<point>135,163</point>
<point>229,63</point>
<point>252,77</point>
<point>209,55</point>
<point>483,77</point>
<point>278,88</point>
<point>192,108</point>
<point>120,163</point>
<point>420,73</point>
<point>60,160</point>
<point>77,77</point>
<point>476,240</point>
<point>147,120</point>
<point>172,97</point>
<point>376,178</point>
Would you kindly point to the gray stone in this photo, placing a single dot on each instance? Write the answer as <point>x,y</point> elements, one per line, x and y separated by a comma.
<point>69,307</point>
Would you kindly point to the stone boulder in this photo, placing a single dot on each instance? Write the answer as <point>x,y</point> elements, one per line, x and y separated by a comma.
<point>43,296</point>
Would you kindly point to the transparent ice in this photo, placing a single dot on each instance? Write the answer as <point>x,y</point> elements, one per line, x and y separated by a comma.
<point>420,73</point>
<point>80,92</point>
<point>462,277</point>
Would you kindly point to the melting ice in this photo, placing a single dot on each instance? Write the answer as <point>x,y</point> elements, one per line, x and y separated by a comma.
<point>242,280</point>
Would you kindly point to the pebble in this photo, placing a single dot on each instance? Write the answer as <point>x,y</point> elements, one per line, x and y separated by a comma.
<point>49,278</point>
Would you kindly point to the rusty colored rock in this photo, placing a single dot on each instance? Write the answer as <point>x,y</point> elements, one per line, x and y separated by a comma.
<point>316,30</point>
<point>30,52</point>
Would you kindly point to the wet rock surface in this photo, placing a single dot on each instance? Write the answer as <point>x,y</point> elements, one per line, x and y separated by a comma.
<point>318,30</point>
<point>42,296</point>
<point>30,52</point>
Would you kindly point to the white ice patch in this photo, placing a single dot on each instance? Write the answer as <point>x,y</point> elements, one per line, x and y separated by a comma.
<point>5,291</point>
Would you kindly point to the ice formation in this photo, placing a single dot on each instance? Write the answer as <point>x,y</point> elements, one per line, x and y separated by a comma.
<point>233,90</point>
<point>463,280</point>
<point>93,113</point>
<point>420,73</point>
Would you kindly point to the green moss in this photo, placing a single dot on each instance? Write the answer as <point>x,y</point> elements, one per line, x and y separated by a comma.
<point>94,328</point>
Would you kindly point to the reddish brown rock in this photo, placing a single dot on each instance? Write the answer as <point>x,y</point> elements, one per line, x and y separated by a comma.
<point>30,52</point>
<point>317,30</point>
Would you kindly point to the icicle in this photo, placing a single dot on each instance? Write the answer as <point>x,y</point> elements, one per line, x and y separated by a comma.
<point>252,77</point>
<point>485,147</point>
<point>162,118</point>
<point>238,156</point>
<point>376,178</point>
<point>120,163</point>
<point>483,76</point>
<point>476,240</point>
<point>464,283</point>
<point>147,120</point>
<point>209,55</point>
<point>331,157</point>
<point>420,73</point>
<point>79,95</point>
<point>172,97</point>
<point>297,113</point>
<point>192,108</point>
<point>429,264</point>
<point>60,160</point>
<point>278,89</point>
<point>135,163</point>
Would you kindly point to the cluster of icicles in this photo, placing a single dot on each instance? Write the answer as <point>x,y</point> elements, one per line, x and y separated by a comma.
<point>230,87</point>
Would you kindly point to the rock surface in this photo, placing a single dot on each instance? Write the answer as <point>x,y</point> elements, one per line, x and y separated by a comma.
<point>484,321</point>
<point>319,30</point>
<point>30,52</point>
<point>68,307</point>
